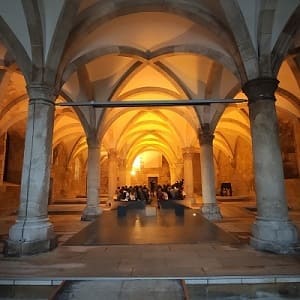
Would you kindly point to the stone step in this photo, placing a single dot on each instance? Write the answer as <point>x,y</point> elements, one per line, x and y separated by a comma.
<point>159,289</point>
<point>28,292</point>
<point>132,289</point>
<point>277,291</point>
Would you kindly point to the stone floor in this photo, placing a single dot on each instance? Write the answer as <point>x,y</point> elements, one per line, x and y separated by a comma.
<point>190,258</point>
<point>165,228</point>
<point>197,258</point>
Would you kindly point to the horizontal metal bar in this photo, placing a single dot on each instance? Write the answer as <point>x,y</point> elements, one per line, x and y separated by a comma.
<point>150,103</point>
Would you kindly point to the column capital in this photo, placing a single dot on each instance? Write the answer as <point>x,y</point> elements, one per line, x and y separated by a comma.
<point>206,138</point>
<point>92,139</point>
<point>179,163</point>
<point>187,152</point>
<point>41,92</point>
<point>260,89</point>
<point>187,155</point>
<point>93,142</point>
<point>112,153</point>
<point>122,161</point>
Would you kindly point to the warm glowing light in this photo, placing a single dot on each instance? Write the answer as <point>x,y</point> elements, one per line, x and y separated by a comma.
<point>194,214</point>
<point>137,163</point>
<point>147,159</point>
<point>133,172</point>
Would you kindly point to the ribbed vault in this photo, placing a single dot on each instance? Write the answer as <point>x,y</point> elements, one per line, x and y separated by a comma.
<point>155,50</point>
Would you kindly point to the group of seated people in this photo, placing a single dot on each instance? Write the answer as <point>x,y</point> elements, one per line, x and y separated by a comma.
<point>170,192</point>
<point>142,192</point>
<point>133,193</point>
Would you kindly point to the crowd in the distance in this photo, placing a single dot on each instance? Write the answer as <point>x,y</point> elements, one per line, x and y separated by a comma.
<point>171,192</point>
<point>142,192</point>
<point>133,193</point>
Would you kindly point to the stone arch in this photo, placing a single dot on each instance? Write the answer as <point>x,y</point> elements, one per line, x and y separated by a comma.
<point>284,41</point>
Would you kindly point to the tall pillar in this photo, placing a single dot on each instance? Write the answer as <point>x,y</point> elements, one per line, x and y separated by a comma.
<point>179,170</point>
<point>112,175</point>
<point>92,209</point>
<point>173,176</point>
<point>272,230</point>
<point>210,208</point>
<point>3,139</point>
<point>122,171</point>
<point>33,233</point>
<point>296,126</point>
<point>188,174</point>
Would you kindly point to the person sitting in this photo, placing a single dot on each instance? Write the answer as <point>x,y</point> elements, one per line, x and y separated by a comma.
<point>118,194</point>
<point>160,196</point>
<point>132,195</point>
<point>145,191</point>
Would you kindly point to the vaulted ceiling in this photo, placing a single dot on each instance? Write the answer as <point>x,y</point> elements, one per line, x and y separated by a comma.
<point>147,50</point>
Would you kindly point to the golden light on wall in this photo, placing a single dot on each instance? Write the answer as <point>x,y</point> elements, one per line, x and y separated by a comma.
<point>137,163</point>
<point>136,166</point>
<point>147,159</point>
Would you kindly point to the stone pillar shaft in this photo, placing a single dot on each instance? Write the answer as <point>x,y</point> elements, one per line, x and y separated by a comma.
<point>272,230</point>
<point>210,208</point>
<point>92,209</point>
<point>296,126</point>
<point>33,233</point>
<point>112,174</point>
<point>207,169</point>
<point>173,176</point>
<point>3,140</point>
<point>179,170</point>
<point>122,171</point>
<point>188,174</point>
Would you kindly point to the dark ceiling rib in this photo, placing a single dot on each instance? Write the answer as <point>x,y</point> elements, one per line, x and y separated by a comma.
<point>136,103</point>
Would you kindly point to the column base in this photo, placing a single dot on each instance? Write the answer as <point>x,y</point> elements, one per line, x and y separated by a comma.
<point>211,211</point>
<point>274,235</point>
<point>90,213</point>
<point>30,236</point>
<point>20,248</point>
<point>113,204</point>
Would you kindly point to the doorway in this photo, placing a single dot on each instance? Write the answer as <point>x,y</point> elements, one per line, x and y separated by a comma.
<point>152,184</point>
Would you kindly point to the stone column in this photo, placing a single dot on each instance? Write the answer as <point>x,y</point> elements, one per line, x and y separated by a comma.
<point>188,175</point>
<point>179,170</point>
<point>272,230</point>
<point>122,171</point>
<point>3,139</point>
<point>210,209</point>
<point>112,175</point>
<point>296,126</point>
<point>173,176</point>
<point>33,233</point>
<point>92,209</point>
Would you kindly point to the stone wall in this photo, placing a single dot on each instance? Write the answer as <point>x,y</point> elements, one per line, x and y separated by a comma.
<point>9,197</point>
<point>14,157</point>
<point>238,171</point>
<point>2,155</point>
<point>77,177</point>
<point>292,187</point>
<point>104,177</point>
<point>288,148</point>
<point>197,174</point>
<point>68,178</point>
<point>163,174</point>
<point>58,172</point>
